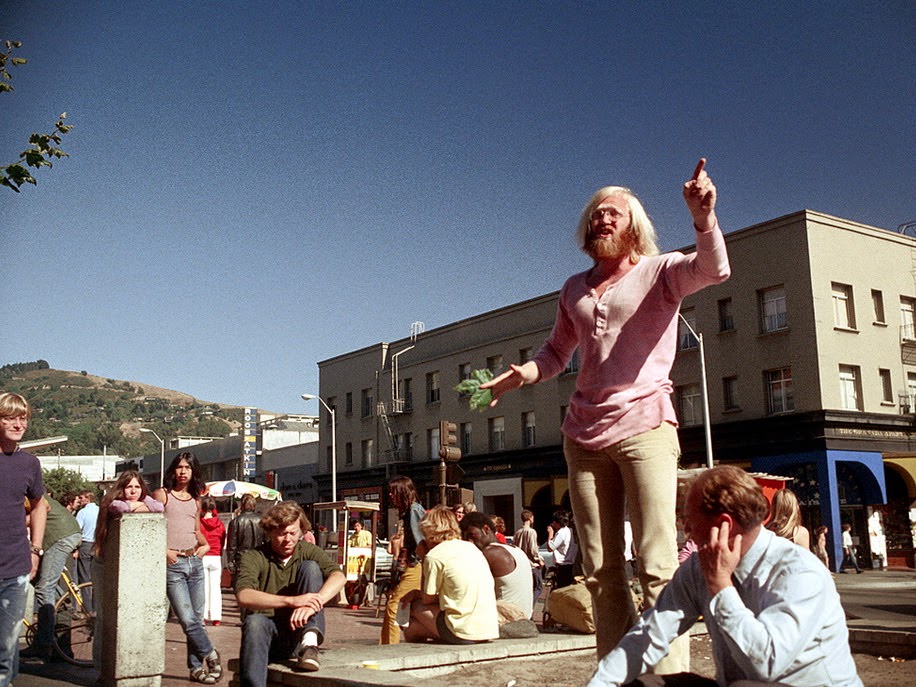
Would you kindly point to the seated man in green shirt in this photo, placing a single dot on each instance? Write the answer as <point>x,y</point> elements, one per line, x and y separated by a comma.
<point>285,583</point>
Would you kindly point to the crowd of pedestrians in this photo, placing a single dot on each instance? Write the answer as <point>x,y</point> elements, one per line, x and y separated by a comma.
<point>752,575</point>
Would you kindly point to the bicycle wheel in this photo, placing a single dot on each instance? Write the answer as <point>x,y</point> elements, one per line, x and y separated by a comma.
<point>31,629</point>
<point>74,628</point>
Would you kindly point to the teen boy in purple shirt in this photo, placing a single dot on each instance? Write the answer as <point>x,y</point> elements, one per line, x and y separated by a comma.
<point>620,433</point>
<point>19,558</point>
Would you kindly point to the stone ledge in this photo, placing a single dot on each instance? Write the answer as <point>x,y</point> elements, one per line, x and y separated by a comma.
<point>899,643</point>
<point>402,664</point>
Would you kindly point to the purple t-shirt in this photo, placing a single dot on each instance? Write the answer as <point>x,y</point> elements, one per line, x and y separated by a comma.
<point>21,479</point>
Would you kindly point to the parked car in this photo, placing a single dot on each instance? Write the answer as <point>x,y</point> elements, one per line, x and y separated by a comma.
<point>546,555</point>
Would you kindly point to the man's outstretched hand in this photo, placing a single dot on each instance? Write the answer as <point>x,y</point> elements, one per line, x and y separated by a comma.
<point>513,378</point>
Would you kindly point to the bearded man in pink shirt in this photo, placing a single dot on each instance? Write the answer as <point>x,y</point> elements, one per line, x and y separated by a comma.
<point>620,434</point>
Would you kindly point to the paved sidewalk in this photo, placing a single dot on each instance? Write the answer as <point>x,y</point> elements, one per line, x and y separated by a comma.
<point>880,605</point>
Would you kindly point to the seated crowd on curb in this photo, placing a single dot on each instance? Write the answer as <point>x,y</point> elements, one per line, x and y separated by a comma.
<point>770,606</point>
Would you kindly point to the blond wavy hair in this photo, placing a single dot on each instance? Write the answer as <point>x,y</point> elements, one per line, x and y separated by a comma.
<point>641,235</point>
<point>439,525</point>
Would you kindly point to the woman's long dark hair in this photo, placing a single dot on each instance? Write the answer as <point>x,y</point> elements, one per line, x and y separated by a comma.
<point>403,493</point>
<point>197,485</point>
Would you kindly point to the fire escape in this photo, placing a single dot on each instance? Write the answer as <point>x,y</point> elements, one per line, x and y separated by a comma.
<point>401,402</point>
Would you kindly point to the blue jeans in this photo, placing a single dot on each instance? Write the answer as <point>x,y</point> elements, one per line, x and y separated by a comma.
<point>13,592</point>
<point>84,572</point>
<point>184,585</point>
<point>47,591</point>
<point>266,639</point>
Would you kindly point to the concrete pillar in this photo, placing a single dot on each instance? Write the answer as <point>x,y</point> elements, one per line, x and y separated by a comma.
<point>132,607</point>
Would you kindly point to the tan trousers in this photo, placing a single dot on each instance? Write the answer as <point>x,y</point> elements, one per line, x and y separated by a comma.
<point>641,472</point>
<point>410,580</point>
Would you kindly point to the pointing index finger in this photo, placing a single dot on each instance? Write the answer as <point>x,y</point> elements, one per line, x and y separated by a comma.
<point>700,165</point>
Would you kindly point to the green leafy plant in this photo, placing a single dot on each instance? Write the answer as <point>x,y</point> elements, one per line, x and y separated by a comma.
<point>479,398</point>
<point>42,147</point>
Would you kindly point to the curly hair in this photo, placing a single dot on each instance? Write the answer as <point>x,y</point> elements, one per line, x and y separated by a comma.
<point>727,489</point>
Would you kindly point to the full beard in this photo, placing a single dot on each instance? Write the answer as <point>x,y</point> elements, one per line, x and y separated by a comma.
<point>607,247</point>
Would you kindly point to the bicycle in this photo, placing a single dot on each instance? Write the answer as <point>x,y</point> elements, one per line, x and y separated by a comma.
<point>74,625</point>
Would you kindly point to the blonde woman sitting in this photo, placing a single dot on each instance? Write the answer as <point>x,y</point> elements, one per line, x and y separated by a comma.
<point>456,603</point>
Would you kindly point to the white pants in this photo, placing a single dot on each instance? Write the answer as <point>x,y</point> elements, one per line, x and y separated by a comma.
<point>213,573</point>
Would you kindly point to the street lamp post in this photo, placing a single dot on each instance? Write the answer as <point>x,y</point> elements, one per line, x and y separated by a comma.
<point>161,454</point>
<point>706,423</point>
<point>332,413</point>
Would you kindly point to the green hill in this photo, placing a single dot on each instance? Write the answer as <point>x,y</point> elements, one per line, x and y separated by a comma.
<point>98,413</point>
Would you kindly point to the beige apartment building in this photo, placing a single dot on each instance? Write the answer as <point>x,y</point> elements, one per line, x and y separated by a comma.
<point>810,357</point>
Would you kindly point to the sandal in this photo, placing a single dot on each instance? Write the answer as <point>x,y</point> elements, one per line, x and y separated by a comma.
<point>213,665</point>
<point>202,676</point>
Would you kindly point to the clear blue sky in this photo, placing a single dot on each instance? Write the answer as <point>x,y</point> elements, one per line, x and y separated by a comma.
<point>254,186</point>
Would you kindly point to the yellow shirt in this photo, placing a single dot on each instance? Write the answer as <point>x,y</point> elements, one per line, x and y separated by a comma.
<point>459,575</point>
<point>361,539</point>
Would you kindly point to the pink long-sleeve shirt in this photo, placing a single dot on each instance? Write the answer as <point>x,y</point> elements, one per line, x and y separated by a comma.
<point>627,342</point>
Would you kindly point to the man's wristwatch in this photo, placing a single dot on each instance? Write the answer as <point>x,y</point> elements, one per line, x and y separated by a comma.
<point>37,551</point>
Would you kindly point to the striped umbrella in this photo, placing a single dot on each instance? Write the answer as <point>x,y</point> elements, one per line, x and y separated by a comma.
<point>235,487</point>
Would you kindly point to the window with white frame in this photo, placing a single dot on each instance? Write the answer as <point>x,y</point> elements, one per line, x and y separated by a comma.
<point>367,402</point>
<point>730,393</point>
<point>497,426</point>
<point>877,302</point>
<point>432,438</point>
<point>432,387</point>
<point>465,437</point>
<point>844,312</point>
<point>774,314</point>
<point>907,319</point>
<point>726,315</point>
<point>850,388</point>
<point>887,386</point>
<point>529,433</point>
<point>464,371</point>
<point>687,321</point>
<point>690,404</point>
<point>780,398</point>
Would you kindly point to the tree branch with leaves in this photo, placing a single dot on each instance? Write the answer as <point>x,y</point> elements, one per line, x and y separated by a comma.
<point>42,147</point>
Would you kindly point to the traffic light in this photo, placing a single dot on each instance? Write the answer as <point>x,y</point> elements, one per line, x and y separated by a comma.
<point>448,442</point>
